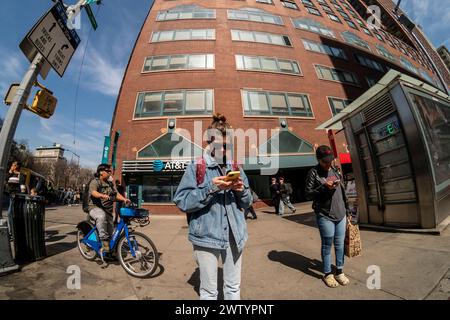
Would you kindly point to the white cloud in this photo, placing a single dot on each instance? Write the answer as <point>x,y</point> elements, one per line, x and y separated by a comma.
<point>12,68</point>
<point>432,15</point>
<point>102,74</point>
<point>89,137</point>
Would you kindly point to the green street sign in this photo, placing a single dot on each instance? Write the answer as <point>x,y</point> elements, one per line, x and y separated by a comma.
<point>91,16</point>
<point>88,2</point>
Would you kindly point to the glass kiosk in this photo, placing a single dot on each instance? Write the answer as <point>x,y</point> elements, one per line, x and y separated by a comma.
<point>398,134</point>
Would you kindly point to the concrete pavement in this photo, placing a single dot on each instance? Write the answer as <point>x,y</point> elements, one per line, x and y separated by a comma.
<point>281,261</point>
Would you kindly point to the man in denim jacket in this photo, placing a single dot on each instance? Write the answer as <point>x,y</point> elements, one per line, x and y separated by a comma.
<point>217,225</point>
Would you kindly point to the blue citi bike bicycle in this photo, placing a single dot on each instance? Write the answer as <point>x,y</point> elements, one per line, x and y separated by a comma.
<point>135,251</point>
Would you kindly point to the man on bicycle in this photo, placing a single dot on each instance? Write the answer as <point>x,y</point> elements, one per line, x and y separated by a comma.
<point>102,194</point>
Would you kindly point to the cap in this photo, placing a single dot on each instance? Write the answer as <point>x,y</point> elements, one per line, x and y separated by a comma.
<point>325,154</point>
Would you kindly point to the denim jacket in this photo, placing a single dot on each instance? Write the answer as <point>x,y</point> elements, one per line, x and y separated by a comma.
<point>213,211</point>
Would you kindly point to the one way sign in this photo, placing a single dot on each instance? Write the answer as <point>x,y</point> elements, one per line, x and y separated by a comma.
<point>54,40</point>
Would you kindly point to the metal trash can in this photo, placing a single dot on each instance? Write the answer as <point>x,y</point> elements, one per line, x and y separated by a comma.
<point>28,228</point>
<point>6,259</point>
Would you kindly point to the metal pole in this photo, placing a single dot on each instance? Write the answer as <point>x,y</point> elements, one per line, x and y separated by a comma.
<point>13,116</point>
<point>19,101</point>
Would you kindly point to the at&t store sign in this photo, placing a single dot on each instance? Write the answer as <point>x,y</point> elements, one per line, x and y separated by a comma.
<point>169,166</point>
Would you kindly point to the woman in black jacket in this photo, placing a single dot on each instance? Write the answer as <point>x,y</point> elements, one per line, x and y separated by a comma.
<point>324,187</point>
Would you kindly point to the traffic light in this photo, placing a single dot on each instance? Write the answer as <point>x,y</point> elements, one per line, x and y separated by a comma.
<point>44,104</point>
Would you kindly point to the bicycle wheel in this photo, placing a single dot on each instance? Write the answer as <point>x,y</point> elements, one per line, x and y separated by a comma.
<point>146,259</point>
<point>85,250</point>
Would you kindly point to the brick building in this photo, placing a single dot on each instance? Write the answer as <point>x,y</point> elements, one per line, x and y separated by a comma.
<point>285,66</point>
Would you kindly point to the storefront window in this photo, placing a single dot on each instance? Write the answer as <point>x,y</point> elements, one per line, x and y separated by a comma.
<point>160,188</point>
<point>435,118</point>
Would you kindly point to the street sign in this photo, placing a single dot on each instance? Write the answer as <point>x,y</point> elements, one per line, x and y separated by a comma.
<point>91,16</point>
<point>106,146</point>
<point>54,40</point>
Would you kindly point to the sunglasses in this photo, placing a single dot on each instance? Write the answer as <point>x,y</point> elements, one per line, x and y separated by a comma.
<point>109,171</point>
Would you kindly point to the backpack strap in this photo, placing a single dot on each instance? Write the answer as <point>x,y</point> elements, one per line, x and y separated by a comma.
<point>201,170</point>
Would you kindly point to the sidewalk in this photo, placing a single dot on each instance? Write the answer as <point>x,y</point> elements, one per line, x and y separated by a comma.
<point>281,261</point>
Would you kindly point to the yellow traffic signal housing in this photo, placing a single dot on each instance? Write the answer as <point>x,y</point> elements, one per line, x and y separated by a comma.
<point>44,104</point>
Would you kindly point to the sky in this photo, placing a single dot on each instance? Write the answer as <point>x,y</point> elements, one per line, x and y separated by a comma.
<point>107,52</point>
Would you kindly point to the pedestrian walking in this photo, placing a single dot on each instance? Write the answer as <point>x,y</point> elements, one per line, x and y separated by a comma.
<point>217,227</point>
<point>276,195</point>
<point>286,192</point>
<point>324,186</point>
<point>251,209</point>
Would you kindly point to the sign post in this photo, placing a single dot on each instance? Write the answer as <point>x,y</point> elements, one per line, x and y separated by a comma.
<point>57,43</point>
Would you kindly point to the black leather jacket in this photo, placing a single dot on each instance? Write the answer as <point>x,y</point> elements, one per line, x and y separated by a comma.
<point>318,192</point>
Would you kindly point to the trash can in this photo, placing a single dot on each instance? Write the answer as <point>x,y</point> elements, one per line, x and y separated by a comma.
<point>28,228</point>
<point>6,259</point>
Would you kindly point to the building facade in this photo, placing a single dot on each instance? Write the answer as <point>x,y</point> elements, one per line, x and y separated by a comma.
<point>49,159</point>
<point>280,66</point>
<point>445,55</point>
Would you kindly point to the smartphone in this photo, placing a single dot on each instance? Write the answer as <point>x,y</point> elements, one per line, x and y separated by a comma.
<point>337,181</point>
<point>233,176</point>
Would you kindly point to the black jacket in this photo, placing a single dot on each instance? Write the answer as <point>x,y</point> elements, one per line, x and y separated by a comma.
<point>318,192</point>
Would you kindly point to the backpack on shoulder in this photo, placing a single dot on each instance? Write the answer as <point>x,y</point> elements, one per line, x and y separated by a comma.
<point>87,196</point>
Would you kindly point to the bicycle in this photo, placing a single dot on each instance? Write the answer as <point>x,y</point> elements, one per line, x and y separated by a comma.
<point>124,243</point>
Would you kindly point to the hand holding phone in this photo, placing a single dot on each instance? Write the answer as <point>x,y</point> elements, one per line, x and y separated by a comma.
<point>233,176</point>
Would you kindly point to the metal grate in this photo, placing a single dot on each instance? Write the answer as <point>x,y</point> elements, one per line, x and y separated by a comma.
<point>378,109</point>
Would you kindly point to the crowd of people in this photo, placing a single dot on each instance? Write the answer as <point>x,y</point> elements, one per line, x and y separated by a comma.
<point>69,196</point>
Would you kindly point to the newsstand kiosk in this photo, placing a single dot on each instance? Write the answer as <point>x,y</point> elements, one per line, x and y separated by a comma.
<point>398,134</point>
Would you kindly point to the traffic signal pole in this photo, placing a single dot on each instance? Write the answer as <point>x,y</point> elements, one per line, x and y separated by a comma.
<point>12,118</point>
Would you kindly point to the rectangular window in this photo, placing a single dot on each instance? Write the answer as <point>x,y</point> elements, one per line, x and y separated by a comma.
<point>184,34</point>
<point>289,4</point>
<point>255,16</point>
<point>328,73</point>
<point>324,48</point>
<point>312,26</point>
<point>174,103</point>
<point>369,63</point>
<point>179,62</point>
<point>186,12</point>
<point>337,105</point>
<point>313,11</point>
<point>267,64</point>
<point>276,103</point>
<point>260,37</point>
<point>265,1</point>
<point>160,188</point>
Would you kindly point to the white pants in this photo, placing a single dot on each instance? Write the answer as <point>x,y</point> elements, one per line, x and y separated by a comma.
<point>207,260</point>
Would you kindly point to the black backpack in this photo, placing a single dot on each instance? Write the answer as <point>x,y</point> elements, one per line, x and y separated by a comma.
<point>87,196</point>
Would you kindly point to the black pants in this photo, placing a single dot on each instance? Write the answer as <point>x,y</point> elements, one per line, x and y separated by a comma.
<point>276,203</point>
<point>251,210</point>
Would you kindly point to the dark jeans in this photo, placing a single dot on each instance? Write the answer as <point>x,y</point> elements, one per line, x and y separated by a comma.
<point>276,203</point>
